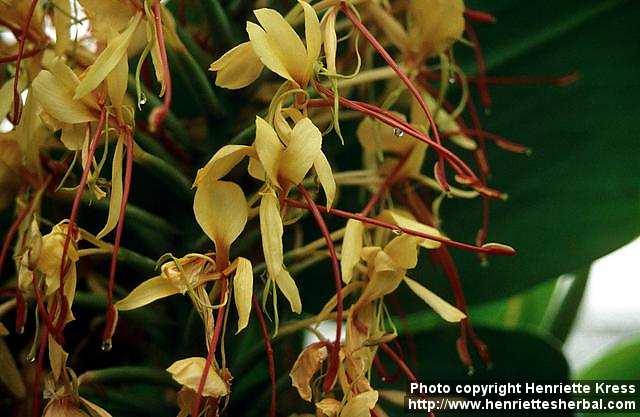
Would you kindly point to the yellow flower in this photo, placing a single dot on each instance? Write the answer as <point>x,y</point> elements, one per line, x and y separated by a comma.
<point>308,363</point>
<point>188,373</point>
<point>274,44</point>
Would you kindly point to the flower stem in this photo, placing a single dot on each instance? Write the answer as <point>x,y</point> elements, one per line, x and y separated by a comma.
<point>17,100</point>
<point>125,374</point>
<point>269,350</point>
<point>157,116</point>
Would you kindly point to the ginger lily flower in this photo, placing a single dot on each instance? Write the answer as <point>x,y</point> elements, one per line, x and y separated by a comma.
<point>276,45</point>
<point>188,373</point>
<point>63,403</point>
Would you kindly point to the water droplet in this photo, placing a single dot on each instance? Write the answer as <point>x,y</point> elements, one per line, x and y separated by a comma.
<point>20,330</point>
<point>397,232</point>
<point>398,132</point>
<point>31,358</point>
<point>452,80</point>
<point>143,100</point>
<point>107,345</point>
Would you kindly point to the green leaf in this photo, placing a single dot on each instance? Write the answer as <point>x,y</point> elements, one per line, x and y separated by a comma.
<point>620,362</point>
<point>577,197</point>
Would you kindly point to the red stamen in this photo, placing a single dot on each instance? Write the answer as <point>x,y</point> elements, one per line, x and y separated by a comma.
<point>17,100</point>
<point>14,57</point>
<point>388,182</point>
<point>111,312</point>
<point>479,16</point>
<point>212,349</point>
<point>160,113</point>
<point>37,395</point>
<point>334,363</point>
<point>560,81</point>
<point>403,77</point>
<point>269,350</point>
<point>492,250</point>
<point>481,78</point>
<point>11,233</point>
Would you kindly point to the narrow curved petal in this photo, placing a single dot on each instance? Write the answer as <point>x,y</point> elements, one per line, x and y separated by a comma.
<point>312,34</point>
<point>243,291</point>
<point>440,306</point>
<point>237,68</point>
<point>58,101</point>
<point>146,293</point>
<point>301,152</point>
<point>222,162</point>
<point>265,51</point>
<point>268,148</point>
<point>402,220</point>
<point>308,363</point>
<point>351,248</point>
<point>325,176</point>
<point>115,198</point>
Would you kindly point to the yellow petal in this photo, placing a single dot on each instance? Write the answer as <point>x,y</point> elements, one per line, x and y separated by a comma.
<point>188,372</point>
<point>10,375</point>
<point>360,405</point>
<point>374,136</point>
<point>237,68</point>
<point>221,211</point>
<point>301,152</point>
<point>57,358</point>
<point>286,44</point>
<point>62,24</point>
<point>403,220</point>
<point>263,49</point>
<point>222,162</point>
<point>351,248</point>
<point>404,251</point>
<point>325,176</point>
<point>73,136</point>
<point>117,82</point>
<point>108,59</point>
<point>308,363</point>
<point>330,39</point>
<point>271,230</point>
<point>149,291</point>
<point>115,197</point>
<point>389,25</point>
<point>268,148</point>
<point>436,25</point>
<point>312,34</point>
<point>440,306</point>
<point>56,100</point>
<point>243,291</point>
<point>94,409</point>
<point>329,407</point>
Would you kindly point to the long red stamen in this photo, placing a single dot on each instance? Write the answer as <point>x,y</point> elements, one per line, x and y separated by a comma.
<point>217,331</point>
<point>492,250</point>
<point>388,182</point>
<point>15,57</point>
<point>160,113</point>
<point>481,78</point>
<point>269,350</point>
<point>17,100</point>
<point>332,372</point>
<point>111,312</point>
<point>403,77</point>
<point>559,80</point>
<point>11,233</point>
<point>42,310</point>
<point>479,16</point>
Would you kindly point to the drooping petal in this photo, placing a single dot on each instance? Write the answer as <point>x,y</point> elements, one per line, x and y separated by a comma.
<point>263,49</point>
<point>271,230</point>
<point>312,34</point>
<point>117,82</point>
<point>404,251</point>
<point>440,306</point>
<point>108,59</point>
<point>115,198</point>
<point>243,291</point>
<point>404,220</point>
<point>268,148</point>
<point>73,136</point>
<point>285,42</point>
<point>188,373</point>
<point>303,149</point>
<point>56,100</point>
<point>329,407</point>
<point>436,25</point>
<point>330,39</point>
<point>325,176</point>
<point>360,405</point>
<point>57,358</point>
<point>221,211</point>
<point>149,291</point>
<point>351,248</point>
<point>237,68</point>
<point>308,363</point>
<point>222,162</point>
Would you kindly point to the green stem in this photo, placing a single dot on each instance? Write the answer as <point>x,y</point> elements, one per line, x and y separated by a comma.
<point>165,172</point>
<point>203,85</point>
<point>219,21</point>
<point>120,374</point>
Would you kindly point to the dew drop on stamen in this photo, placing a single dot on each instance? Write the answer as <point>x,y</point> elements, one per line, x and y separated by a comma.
<point>398,132</point>
<point>107,345</point>
<point>20,330</point>
<point>452,80</point>
<point>31,358</point>
<point>143,100</point>
<point>396,232</point>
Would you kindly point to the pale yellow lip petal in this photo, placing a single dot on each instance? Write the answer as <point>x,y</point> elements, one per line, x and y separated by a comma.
<point>271,230</point>
<point>188,373</point>
<point>325,176</point>
<point>285,42</point>
<point>401,220</point>
<point>440,306</point>
<point>360,405</point>
<point>404,251</point>
<point>149,291</point>
<point>312,34</point>
<point>222,162</point>
<point>243,291</point>
<point>263,49</point>
<point>221,211</point>
<point>237,68</point>
<point>268,148</point>
<point>115,198</point>
<point>302,150</point>
<point>351,248</point>
<point>56,100</point>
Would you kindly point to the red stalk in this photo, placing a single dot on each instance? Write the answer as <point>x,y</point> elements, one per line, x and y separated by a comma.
<point>15,57</point>
<point>388,182</point>
<point>212,350</point>
<point>479,16</point>
<point>332,372</point>
<point>492,250</point>
<point>17,100</point>
<point>500,141</point>
<point>111,311</point>
<point>42,310</point>
<point>15,226</point>
<point>160,113</point>
<point>404,78</point>
<point>269,349</point>
<point>481,81</point>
